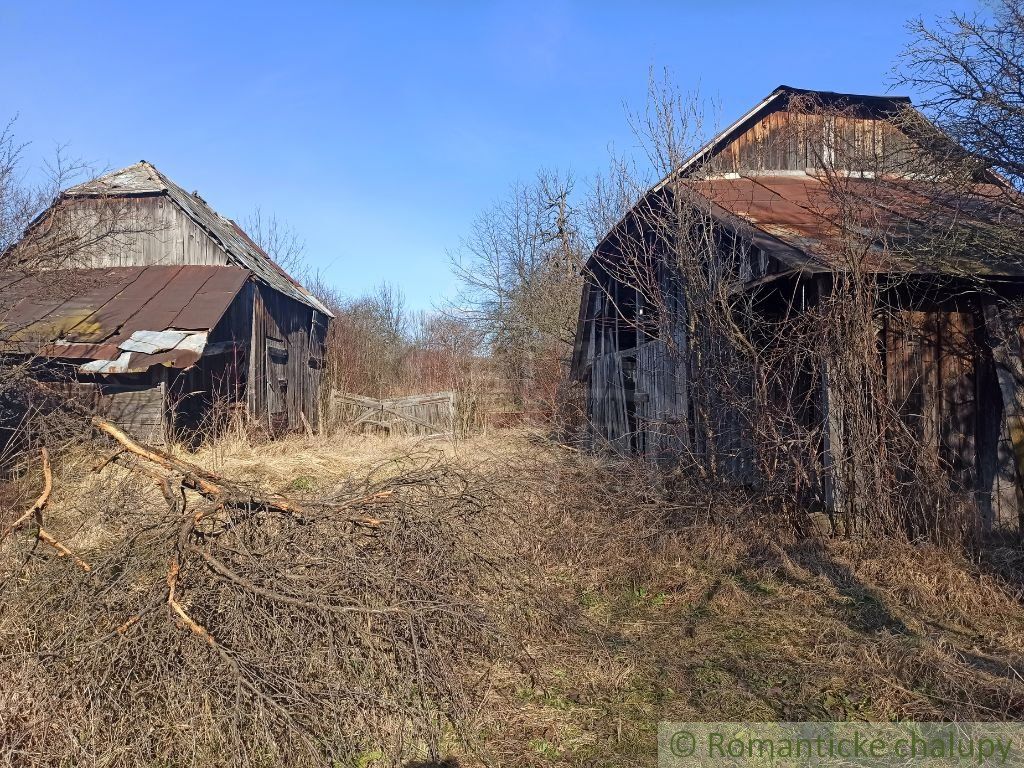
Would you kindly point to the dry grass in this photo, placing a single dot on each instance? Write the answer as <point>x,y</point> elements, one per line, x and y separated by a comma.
<point>592,602</point>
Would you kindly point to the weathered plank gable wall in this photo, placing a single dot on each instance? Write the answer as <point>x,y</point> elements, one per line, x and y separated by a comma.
<point>788,140</point>
<point>149,230</point>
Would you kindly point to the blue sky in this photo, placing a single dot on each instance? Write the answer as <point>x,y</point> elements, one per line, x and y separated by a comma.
<point>379,131</point>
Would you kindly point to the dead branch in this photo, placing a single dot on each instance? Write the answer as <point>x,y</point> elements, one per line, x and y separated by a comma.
<point>62,550</point>
<point>36,512</point>
<point>40,503</point>
<point>305,424</point>
<point>205,483</point>
<point>172,584</point>
<point>367,609</point>
<point>100,465</point>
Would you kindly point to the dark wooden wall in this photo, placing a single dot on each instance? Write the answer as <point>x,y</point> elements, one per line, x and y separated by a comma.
<point>135,403</point>
<point>939,376</point>
<point>286,360</point>
<point>636,382</point>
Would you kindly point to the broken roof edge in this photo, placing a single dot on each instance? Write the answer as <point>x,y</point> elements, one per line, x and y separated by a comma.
<point>320,306</point>
<point>789,255</point>
<point>121,182</point>
<point>198,313</point>
<point>298,292</point>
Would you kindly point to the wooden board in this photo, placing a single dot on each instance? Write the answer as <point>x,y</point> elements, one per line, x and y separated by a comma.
<point>138,409</point>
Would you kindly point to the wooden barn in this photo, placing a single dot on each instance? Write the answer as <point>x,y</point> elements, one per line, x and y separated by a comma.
<point>163,311</point>
<point>948,342</point>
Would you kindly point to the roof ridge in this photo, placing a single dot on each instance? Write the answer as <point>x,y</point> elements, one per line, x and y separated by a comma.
<point>793,89</point>
<point>245,252</point>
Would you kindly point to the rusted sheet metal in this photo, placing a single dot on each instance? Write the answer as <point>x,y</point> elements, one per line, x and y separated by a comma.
<point>122,319</point>
<point>164,309</point>
<point>206,306</point>
<point>803,213</point>
<point>27,300</point>
<point>139,296</point>
<point>139,362</point>
<point>789,211</point>
<point>79,351</point>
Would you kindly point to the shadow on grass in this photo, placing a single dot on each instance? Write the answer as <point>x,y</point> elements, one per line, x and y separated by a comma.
<point>865,610</point>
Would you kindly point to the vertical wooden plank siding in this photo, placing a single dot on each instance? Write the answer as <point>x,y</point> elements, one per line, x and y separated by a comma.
<point>154,231</point>
<point>660,411</point>
<point>1008,356</point>
<point>287,346</point>
<point>789,140</point>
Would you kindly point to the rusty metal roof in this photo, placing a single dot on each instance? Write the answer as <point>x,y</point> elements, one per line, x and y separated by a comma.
<point>815,218</point>
<point>144,178</point>
<point>793,214</point>
<point>118,319</point>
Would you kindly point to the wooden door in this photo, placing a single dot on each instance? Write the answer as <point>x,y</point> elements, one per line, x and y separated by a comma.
<point>277,384</point>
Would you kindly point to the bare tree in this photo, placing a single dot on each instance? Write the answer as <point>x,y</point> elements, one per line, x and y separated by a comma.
<point>40,258</point>
<point>520,275</point>
<point>279,241</point>
<point>970,70</point>
<point>367,341</point>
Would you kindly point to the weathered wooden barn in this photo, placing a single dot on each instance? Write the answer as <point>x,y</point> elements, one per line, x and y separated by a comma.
<point>164,312</point>
<point>950,349</point>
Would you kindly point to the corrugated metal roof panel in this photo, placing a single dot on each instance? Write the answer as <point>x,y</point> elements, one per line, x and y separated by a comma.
<point>153,314</point>
<point>204,309</point>
<point>806,214</point>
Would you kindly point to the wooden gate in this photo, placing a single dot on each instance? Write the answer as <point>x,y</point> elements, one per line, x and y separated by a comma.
<point>432,414</point>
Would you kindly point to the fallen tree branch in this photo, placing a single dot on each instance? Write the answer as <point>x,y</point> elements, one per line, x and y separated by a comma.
<point>194,626</point>
<point>366,522</point>
<point>230,577</point>
<point>212,487</point>
<point>36,509</point>
<point>63,551</point>
<point>100,465</point>
<point>394,562</point>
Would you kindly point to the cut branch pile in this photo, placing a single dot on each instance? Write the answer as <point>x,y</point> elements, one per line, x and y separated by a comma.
<point>359,619</point>
<point>216,489</point>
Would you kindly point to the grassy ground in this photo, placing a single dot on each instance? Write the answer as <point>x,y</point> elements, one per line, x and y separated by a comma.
<point>643,606</point>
